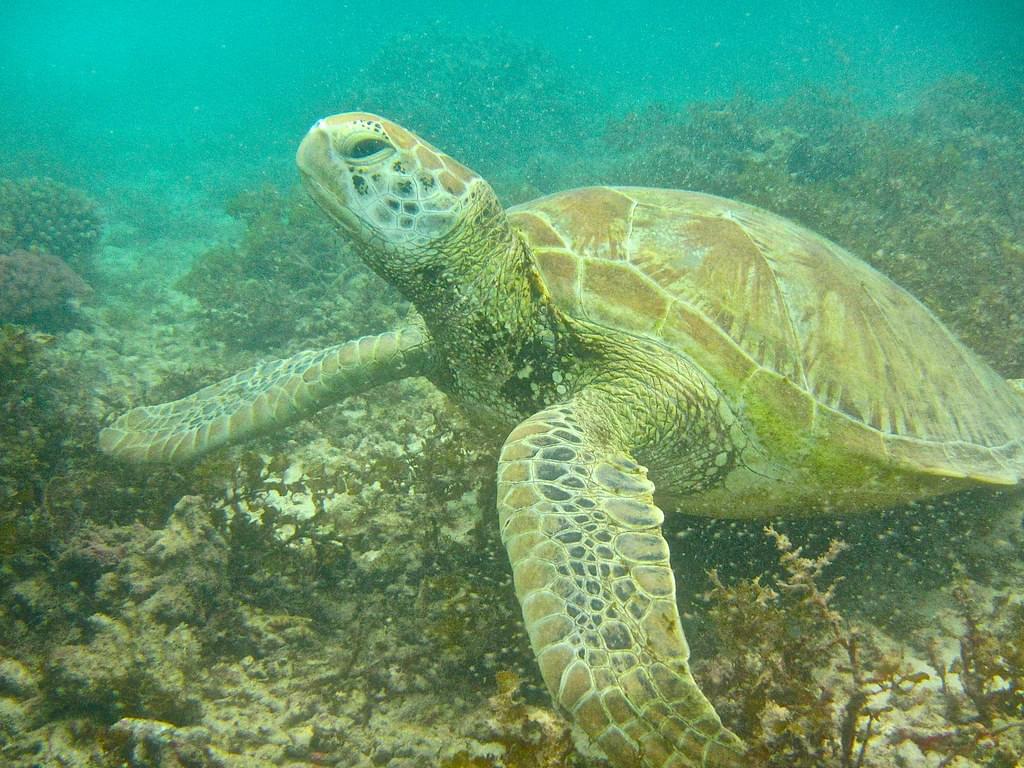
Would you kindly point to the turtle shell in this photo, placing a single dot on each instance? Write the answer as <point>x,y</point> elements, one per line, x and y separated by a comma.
<point>804,338</point>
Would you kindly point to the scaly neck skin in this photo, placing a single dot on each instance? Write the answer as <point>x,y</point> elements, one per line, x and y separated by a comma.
<point>499,336</point>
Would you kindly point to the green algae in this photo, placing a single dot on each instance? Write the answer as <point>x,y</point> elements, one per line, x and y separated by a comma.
<point>286,281</point>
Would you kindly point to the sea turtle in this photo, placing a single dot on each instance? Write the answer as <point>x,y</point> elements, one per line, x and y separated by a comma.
<point>622,336</point>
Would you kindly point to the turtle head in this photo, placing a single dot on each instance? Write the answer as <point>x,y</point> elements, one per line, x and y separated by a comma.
<point>385,186</point>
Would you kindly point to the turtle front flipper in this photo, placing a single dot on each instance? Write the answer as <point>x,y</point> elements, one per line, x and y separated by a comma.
<point>269,395</point>
<point>592,574</point>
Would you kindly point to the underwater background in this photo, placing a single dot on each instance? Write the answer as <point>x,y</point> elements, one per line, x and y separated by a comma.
<point>336,593</point>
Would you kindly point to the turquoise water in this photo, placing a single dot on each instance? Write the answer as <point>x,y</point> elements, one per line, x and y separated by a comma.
<point>334,590</point>
<point>125,87</point>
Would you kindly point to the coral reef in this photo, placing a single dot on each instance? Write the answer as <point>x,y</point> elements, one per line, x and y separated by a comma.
<point>313,596</point>
<point>45,436</point>
<point>53,391</point>
<point>288,281</point>
<point>30,425</point>
<point>336,594</point>
<point>159,588</point>
<point>46,215</point>
<point>39,289</point>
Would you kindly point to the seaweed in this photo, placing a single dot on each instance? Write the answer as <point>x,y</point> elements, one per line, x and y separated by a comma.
<point>982,685</point>
<point>536,111</point>
<point>32,428</point>
<point>370,628</point>
<point>515,734</point>
<point>287,281</point>
<point>806,686</point>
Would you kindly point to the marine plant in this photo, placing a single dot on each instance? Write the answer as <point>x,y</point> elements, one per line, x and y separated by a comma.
<point>46,215</point>
<point>982,685</point>
<point>20,436</point>
<point>288,280</point>
<point>809,687</point>
<point>536,111</point>
<point>52,482</point>
<point>423,586</point>
<point>512,733</point>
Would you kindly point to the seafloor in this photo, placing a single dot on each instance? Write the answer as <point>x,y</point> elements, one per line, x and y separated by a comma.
<point>336,594</point>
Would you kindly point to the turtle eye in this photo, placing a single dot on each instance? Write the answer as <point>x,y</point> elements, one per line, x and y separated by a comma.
<point>366,148</point>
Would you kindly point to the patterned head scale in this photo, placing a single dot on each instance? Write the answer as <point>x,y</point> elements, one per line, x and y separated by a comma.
<point>382,183</point>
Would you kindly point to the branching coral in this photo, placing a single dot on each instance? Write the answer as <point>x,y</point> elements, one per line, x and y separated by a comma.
<point>45,215</point>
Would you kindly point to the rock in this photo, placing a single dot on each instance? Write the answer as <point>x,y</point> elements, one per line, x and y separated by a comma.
<point>17,680</point>
<point>157,743</point>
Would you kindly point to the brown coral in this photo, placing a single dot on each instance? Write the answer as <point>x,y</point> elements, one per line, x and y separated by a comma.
<point>39,289</point>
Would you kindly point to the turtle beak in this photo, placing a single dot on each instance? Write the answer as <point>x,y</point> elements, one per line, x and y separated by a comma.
<point>314,147</point>
<point>323,178</point>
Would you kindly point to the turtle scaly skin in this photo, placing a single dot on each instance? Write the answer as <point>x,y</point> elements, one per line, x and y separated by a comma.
<point>276,392</point>
<point>643,349</point>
